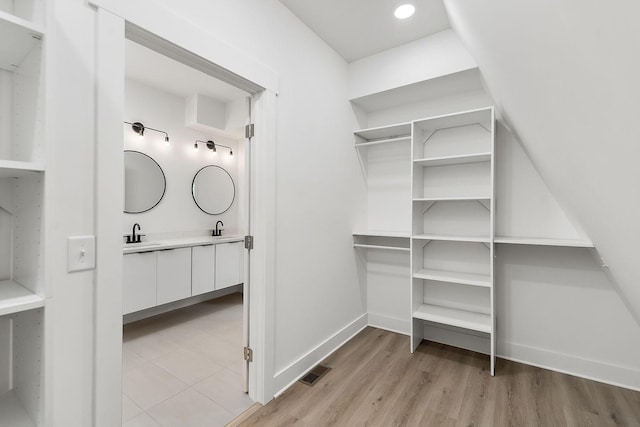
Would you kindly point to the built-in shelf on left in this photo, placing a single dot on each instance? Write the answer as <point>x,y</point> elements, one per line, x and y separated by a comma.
<point>16,169</point>
<point>22,176</point>
<point>15,298</point>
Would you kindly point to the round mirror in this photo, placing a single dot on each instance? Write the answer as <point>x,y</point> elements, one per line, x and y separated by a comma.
<point>144,182</point>
<point>213,190</point>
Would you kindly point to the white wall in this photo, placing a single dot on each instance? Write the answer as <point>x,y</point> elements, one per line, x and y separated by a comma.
<point>564,75</point>
<point>177,213</point>
<point>557,309</point>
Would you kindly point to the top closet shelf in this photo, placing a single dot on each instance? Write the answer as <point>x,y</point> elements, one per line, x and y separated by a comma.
<point>16,169</point>
<point>15,298</point>
<point>453,160</point>
<point>390,133</point>
<point>398,234</point>
<point>534,241</point>
<point>464,118</point>
<point>22,36</point>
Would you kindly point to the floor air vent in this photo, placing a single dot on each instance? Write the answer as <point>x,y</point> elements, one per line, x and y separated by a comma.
<point>314,375</point>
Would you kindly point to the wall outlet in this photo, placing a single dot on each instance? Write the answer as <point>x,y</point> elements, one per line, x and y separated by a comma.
<point>81,253</point>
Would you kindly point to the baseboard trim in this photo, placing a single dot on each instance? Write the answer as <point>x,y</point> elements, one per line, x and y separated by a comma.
<point>286,377</point>
<point>165,308</point>
<point>388,323</point>
<point>594,370</point>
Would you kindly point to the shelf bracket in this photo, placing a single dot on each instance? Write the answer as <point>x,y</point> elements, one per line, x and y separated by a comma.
<point>427,244</point>
<point>430,205</point>
<point>487,206</point>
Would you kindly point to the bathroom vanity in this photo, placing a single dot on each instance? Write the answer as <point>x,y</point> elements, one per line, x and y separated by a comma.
<point>162,272</point>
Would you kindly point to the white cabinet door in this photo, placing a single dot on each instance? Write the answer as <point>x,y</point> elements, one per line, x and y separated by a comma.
<point>203,265</point>
<point>228,264</point>
<point>139,282</point>
<point>174,275</point>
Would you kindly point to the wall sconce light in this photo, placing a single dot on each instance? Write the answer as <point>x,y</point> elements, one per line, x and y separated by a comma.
<point>139,128</point>
<point>212,146</point>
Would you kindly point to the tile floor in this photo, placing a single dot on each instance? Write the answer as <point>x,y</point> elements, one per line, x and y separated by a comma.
<point>184,368</point>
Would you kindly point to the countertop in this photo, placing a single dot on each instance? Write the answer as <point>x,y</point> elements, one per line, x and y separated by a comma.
<point>158,245</point>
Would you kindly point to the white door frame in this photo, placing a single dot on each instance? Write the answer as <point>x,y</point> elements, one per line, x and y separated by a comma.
<point>202,48</point>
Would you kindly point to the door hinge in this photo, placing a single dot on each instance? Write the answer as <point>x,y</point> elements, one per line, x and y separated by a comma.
<point>248,354</point>
<point>248,242</point>
<point>249,131</point>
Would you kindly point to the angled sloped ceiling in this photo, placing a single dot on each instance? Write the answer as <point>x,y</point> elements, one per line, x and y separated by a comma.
<point>566,76</point>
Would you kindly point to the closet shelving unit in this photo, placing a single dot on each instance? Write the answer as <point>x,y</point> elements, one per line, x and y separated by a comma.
<point>367,139</point>
<point>22,176</point>
<point>453,225</point>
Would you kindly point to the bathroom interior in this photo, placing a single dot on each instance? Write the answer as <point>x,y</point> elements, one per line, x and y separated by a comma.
<point>184,221</point>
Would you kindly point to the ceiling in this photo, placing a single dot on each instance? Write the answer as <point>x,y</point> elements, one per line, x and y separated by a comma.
<point>156,70</point>
<point>359,28</point>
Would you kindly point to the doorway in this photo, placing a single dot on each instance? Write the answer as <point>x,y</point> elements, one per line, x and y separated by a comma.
<point>185,282</point>
<point>165,34</point>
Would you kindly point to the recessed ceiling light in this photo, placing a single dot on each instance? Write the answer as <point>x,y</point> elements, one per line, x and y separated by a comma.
<point>404,11</point>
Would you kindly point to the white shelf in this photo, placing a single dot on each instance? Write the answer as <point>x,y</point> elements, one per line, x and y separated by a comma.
<point>383,141</point>
<point>12,413</point>
<point>534,241</point>
<point>453,160</point>
<point>463,118</point>
<point>391,248</point>
<point>15,169</point>
<point>392,132</point>
<point>472,239</point>
<point>451,199</point>
<point>453,317</point>
<point>15,298</point>
<point>482,280</point>
<point>399,235</point>
<point>20,37</point>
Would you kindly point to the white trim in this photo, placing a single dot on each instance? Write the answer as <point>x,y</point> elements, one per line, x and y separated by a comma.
<point>263,214</point>
<point>156,19</point>
<point>619,376</point>
<point>175,305</point>
<point>293,372</point>
<point>109,184</point>
<point>263,173</point>
<point>389,323</point>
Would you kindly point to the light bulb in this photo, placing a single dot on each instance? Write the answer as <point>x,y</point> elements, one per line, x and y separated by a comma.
<point>195,146</point>
<point>404,11</point>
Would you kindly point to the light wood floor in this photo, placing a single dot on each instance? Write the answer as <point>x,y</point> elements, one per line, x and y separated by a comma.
<point>375,381</point>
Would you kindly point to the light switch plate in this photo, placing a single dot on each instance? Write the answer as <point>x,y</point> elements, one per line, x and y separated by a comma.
<point>81,253</point>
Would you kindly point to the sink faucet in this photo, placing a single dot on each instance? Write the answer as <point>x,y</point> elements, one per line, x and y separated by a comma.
<point>218,232</point>
<point>133,238</point>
